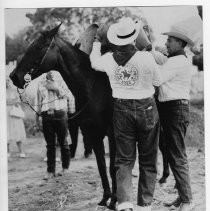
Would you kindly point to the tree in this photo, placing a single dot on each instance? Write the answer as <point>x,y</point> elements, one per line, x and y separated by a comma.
<point>16,46</point>
<point>74,20</point>
<point>200,11</point>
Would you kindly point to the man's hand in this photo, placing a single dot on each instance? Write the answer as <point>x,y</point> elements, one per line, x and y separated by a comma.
<point>100,33</point>
<point>161,49</point>
<point>52,86</point>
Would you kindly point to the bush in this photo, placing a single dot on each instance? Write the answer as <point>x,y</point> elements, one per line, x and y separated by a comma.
<point>31,128</point>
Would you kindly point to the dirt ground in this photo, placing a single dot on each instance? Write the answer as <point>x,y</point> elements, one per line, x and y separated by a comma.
<point>80,189</point>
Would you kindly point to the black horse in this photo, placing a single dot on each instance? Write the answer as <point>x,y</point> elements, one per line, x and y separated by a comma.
<point>90,88</point>
<point>85,43</point>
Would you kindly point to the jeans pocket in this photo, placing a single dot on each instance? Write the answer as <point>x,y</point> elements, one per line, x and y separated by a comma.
<point>151,115</point>
<point>120,119</point>
<point>180,113</point>
<point>186,114</point>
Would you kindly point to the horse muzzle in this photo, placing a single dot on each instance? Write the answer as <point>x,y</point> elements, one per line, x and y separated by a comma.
<point>15,79</point>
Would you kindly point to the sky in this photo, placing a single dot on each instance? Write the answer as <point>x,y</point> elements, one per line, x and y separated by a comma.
<point>16,20</point>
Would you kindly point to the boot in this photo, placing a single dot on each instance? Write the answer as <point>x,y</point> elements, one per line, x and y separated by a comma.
<point>176,203</point>
<point>185,207</point>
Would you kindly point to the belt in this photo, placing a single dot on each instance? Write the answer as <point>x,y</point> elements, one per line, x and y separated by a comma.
<point>132,100</point>
<point>52,111</point>
<point>176,102</point>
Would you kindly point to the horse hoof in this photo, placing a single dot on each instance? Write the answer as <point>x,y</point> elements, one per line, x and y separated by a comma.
<point>111,207</point>
<point>163,179</point>
<point>100,208</point>
<point>112,204</point>
<point>103,202</point>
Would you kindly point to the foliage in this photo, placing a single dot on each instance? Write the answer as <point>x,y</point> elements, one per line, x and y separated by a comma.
<point>16,46</point>
<point>31,128</point>
<point>200,11</point>
<point>197,59</point>
<point>74,20</point>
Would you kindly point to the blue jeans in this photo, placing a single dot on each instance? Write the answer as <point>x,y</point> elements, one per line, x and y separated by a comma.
<point>174,117</point>
<point>136,122</point>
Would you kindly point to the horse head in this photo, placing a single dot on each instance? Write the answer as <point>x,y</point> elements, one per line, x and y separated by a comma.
<point>39,58</point>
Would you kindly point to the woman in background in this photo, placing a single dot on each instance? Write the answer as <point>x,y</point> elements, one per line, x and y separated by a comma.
<point>15,125</point>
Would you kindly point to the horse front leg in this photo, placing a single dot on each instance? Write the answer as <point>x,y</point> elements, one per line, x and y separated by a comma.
<point>73,126</point>
<point>98,148</point>
<point>112,169</point>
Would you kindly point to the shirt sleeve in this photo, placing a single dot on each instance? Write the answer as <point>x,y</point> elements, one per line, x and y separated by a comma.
<point>157,77</point>
<point>98,62</point>
<point>159,57</point>
<point>168,71</point>
<point>154,68</point>
<point>63,89</point>
<point>38,100</point>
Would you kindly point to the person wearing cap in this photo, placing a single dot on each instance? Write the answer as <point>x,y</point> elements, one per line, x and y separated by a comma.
<point>132,74</point>
<point>173,106</point>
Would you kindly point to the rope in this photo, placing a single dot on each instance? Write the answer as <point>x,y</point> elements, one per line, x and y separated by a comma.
<point>28,80</point>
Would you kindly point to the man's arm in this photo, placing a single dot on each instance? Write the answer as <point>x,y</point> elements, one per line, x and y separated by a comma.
<point>159,57</point>
<point>165,72</point>
<point>97,61</point>
<point>38,103</point>
<point>53,86</point>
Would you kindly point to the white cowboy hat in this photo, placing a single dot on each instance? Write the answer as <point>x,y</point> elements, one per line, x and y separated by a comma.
<point>124,32</point>
<point>175,32</point>
<point>186,30</point>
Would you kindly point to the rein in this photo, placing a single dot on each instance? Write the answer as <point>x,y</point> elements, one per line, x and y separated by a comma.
<point>27,79</point>
<point>76,114</point>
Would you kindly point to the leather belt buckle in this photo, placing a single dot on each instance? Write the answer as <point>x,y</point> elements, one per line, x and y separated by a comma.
<point>50,112</point>
<point>185,102</point>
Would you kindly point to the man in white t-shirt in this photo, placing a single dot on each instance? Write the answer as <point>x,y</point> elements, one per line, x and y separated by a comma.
<point>132,74</point>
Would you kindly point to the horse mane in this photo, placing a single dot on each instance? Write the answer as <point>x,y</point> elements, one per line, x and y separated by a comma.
<point>78,67</point>
<point>82,55</point>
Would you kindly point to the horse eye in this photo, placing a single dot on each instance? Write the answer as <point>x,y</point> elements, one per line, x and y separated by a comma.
<point>39,47</point>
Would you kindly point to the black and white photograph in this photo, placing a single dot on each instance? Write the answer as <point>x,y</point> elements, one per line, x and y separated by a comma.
<point>103,107</point>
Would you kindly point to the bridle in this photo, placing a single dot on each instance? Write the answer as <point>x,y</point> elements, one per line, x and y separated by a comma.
<point>27,79</point>
<point>27,76</point>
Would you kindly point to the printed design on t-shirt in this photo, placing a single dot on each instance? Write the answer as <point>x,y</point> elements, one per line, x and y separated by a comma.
<point>126,75</point>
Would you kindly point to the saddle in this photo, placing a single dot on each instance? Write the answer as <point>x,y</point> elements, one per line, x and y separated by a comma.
<point>86,39</point>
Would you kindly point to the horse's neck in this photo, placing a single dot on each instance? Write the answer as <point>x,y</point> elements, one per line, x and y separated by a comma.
<point>76,70</point>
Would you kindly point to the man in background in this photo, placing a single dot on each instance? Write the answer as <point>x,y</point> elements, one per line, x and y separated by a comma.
<point>52,104</point>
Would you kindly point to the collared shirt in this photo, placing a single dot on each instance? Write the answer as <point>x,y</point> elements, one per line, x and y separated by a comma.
<point>71,103</point>
<point>48,99</point>
<point>175,79</point>
<point>135,80</point>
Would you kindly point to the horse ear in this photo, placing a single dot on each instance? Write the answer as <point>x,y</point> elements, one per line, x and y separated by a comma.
<point>54,31</point>
<point>48,28</point>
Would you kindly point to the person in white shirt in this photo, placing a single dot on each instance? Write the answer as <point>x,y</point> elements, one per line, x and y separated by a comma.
<point>132,76</point>
<point>173,106</point>
<point>52,104</point>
